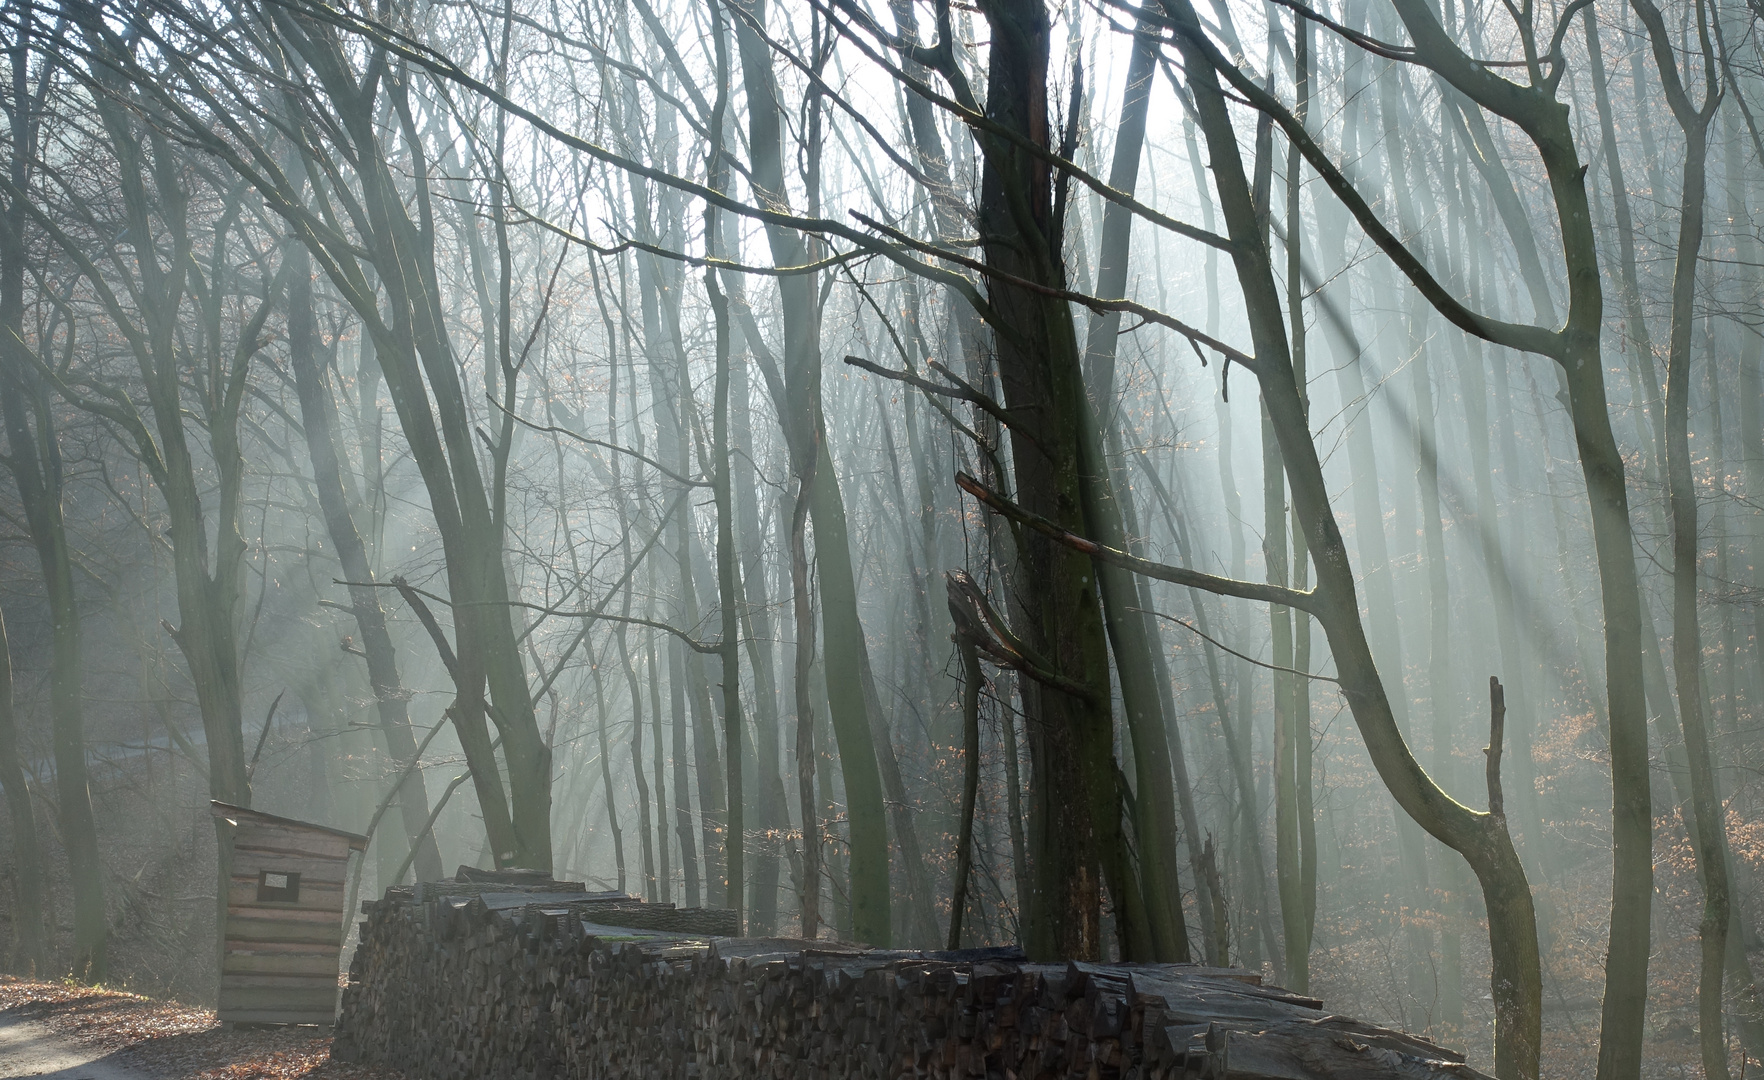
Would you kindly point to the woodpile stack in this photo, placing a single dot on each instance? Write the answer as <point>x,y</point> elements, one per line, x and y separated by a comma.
<point>476,981</point>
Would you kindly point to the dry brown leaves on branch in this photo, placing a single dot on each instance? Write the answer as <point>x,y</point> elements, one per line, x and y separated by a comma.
<point>177,1042</point>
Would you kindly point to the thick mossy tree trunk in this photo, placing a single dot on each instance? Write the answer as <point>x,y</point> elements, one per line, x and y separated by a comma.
<point>1078,826</point>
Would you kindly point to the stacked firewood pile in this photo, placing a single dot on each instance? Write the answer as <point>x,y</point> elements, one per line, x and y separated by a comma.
<point>472,983</point>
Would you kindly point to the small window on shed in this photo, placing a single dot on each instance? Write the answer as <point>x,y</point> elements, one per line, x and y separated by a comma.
<point>277,887</point>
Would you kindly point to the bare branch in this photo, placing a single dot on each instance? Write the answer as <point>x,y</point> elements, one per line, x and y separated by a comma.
<point>1223,586</point>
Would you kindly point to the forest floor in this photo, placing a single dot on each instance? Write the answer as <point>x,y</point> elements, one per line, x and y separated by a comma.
<point>66,1030</point>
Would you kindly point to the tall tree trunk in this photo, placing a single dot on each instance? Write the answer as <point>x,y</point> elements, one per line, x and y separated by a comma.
<point>612,807</point>
<point>1132,635</point>
<point>683,824</point>
<point>1741,934</point>
<point>655,883</point>
<point>1079,826</point>
<point>728,584</point>
<point>422,373</point>
<point>1259,929</point>
<point>28,952</point>
<point>1708,813</point>
<point>1237,753</point>
<point>921,926</point>
<point>1575,348</point>
<point>806,433</point>
<point>660,284</point>
<point>35,464</point>
<point>209,580</point>
<point>770,800</point>
<point>964,862</point>
<point>1635,325</point>
<point>1481,838</point>
<point>645,824</point>
<point>1409,181</point>
<point>317,418</point>
<point>1295,821</point>
<point>810,808</point>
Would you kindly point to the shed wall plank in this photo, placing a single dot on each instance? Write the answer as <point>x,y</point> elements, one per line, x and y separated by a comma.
<point>249,963</point>
<point>281,838</point>
<point>248,863</point>
<point>295,982</point>
<point>314,896</point>
<point>244,928</point>
<point>278,1016</point>
<point>280,997</point>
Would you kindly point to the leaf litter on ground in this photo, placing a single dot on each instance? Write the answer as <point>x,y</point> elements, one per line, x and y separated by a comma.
<point>174,1041</point>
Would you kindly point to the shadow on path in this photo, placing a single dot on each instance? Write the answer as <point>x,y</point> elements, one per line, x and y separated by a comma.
<point>30,1049</point>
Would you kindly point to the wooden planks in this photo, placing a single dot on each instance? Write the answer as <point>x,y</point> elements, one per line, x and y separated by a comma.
<point>320,1017</point>
<point>262,924</point>
<point>327,896</point>
<point>289,841</point>
<point>321,996</point>
<point>285,924</point>
<point>240,960</point>
<point>298,982</point>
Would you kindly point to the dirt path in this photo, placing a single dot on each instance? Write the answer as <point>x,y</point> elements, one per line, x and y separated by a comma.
<point>72,1032</point>
<point>29,1048</point>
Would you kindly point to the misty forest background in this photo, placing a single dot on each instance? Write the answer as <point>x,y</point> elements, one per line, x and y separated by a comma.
<point>927,474</point>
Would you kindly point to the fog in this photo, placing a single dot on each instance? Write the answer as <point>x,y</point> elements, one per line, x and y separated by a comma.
<point>1273,486</point>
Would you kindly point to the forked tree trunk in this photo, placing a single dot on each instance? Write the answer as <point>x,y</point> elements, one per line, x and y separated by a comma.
<point>1708,815</point>
<point>317,417</point>
<point>1482,838</point>
<point>422,375</point>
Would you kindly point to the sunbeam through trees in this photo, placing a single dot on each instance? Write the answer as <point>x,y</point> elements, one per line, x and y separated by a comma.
<point>1271,486</point>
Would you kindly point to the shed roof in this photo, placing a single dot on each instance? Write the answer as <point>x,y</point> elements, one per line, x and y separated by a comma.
<point>241,815</point>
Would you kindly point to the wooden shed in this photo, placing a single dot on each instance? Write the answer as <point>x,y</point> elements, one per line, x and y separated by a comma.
<point>285,918</point>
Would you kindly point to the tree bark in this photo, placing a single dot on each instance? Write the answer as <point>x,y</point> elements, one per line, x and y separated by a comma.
<point>806,433</point>
<point>1132,636</point>
<point>1707,812</point>
<point>971,679</point>
<point>317,418</point>
<point>35,464</point>
<point>1481,838</point>
<point>28,953</point>
<point>417,359</point>
<point>1078,788</point>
